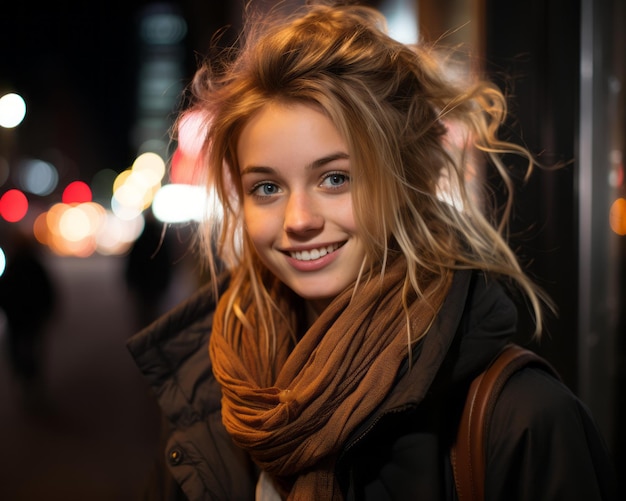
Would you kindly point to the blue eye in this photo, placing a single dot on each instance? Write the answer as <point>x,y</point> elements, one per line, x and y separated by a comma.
<point>335,180</point>
<point>264,190</point>
<point>269,189</point>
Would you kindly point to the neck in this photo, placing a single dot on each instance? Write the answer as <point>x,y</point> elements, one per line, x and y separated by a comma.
<point>313,309</point>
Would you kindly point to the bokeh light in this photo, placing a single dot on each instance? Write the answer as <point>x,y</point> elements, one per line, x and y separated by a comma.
<point>617,216</point>
<point>75,224</point>
<point>13,206</point>
<point>80,226</point>
<point>82,229</point>
<point>149,168</point>
<point>185,169</point>
<point>37,177</point>
<point>117,235</point>
<point>40,228</point>
<point>134,188</point>
<point>163,28</point>
<point>77,192</point>
<point>3,262</point>
<point>187,159</point>
<point>192,130</point>
<point>178,203</point>
<point>12,110</point>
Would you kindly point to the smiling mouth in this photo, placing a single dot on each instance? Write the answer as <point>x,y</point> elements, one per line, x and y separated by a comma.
<point>312,254</point>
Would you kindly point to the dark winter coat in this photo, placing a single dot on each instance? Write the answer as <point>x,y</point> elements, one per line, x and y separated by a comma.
<point>543,444</point>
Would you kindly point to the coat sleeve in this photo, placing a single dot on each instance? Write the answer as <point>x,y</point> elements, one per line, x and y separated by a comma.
<point>544,445</point>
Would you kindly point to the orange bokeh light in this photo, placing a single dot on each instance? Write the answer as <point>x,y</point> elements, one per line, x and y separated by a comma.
<point>617,217</point>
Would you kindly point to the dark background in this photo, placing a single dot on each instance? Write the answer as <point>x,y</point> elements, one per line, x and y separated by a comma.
<point>76,63</point>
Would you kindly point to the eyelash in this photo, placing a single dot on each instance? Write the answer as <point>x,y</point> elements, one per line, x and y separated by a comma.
<point>328,175</point>
<point>253,191</point>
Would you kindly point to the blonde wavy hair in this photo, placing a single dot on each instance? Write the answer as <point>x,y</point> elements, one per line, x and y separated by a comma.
<point>393,104</point>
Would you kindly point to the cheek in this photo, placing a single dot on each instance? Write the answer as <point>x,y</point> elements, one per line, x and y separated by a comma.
<point>257,225</point>
<point>344,215</point>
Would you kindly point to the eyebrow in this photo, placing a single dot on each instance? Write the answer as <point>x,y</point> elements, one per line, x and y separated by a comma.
<point>316,164</point>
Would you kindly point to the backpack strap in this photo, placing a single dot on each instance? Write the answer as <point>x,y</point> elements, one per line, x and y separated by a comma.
<point>468,452</point>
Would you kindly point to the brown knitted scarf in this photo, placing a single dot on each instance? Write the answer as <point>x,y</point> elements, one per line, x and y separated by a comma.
<point>325,386</point>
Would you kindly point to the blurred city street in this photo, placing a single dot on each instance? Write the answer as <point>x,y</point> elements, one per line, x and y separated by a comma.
<point>91,157</point>
<point>90,433</point>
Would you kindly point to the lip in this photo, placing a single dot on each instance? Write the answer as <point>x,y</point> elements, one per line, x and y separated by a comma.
<point>313,264</point>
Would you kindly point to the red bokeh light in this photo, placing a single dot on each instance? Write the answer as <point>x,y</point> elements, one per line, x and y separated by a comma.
<point>13,205</point>
<point>77,192</point>
<point>185,169</point>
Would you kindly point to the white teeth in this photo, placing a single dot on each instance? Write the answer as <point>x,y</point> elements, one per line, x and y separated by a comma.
<point>309,255</point>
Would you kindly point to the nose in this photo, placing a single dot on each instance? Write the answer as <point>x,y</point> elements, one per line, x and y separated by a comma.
<point>302,214</point>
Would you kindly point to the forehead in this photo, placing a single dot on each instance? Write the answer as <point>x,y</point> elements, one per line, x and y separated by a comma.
<point>280,132</point>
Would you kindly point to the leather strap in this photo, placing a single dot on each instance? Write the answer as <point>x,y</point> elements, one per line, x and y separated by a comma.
<point>468,452</point>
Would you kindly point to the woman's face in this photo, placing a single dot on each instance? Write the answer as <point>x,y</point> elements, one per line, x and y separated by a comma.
<point>295,174</point>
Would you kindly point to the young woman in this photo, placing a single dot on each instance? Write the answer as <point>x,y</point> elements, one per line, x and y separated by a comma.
<point>364,284</point>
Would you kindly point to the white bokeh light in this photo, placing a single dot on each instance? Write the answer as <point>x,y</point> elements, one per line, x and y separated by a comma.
<point>12,110</point>
<point>3,262</point>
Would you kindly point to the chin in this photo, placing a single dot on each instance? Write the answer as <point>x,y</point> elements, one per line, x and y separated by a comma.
<point>317,294</point>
